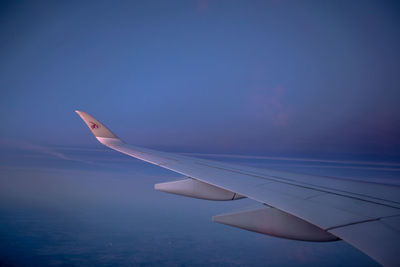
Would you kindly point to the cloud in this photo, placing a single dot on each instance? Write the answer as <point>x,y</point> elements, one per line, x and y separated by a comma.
<point>202,6</point>
<point>267,100</point>
<point>27,146</point>
<point>267,105</point>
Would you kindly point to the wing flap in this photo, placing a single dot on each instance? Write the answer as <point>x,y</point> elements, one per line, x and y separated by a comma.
<point>375,238</point>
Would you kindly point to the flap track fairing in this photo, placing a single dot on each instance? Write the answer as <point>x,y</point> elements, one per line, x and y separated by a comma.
<point>196,189</point>
<point>270,221</point>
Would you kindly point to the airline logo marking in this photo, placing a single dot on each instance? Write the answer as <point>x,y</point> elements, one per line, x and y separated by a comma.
<point>93,125</point>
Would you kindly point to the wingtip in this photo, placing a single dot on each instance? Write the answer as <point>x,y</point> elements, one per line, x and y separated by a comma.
<point>97,128</point>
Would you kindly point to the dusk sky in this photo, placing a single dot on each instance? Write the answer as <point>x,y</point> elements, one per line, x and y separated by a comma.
<point>287,79</point>
<point>244,76</point>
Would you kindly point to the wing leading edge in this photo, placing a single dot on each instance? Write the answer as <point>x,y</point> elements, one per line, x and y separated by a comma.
<point>366,215</point>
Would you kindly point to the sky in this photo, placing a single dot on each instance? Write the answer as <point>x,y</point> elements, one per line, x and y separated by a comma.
<point>253,77</point>
<point>313,85</point>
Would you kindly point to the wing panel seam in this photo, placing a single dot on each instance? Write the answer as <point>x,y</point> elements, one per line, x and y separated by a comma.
<point>275,179</point>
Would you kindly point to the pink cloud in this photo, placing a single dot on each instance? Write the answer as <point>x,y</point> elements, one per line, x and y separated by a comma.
<point>267,104</point>
<point>202,6</point>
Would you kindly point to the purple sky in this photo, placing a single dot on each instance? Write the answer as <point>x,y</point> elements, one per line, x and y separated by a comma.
<point>254,77</point>
<point>284,81</point>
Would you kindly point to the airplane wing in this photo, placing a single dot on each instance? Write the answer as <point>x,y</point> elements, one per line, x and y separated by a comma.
<point>296,206</point>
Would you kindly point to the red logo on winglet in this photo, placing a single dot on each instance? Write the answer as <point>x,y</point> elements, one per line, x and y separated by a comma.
<point>93,125</point>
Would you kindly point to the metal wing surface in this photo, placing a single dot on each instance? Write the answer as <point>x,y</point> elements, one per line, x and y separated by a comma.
<point>366,215</point>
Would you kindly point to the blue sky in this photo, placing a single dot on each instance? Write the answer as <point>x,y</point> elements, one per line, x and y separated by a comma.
<point>306,86</point>
<point>258,77</point>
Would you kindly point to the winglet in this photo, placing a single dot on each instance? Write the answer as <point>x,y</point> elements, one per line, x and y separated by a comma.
<point>97,128</point>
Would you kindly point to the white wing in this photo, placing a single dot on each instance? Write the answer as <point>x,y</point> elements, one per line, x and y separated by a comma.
<point>297,206</point>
